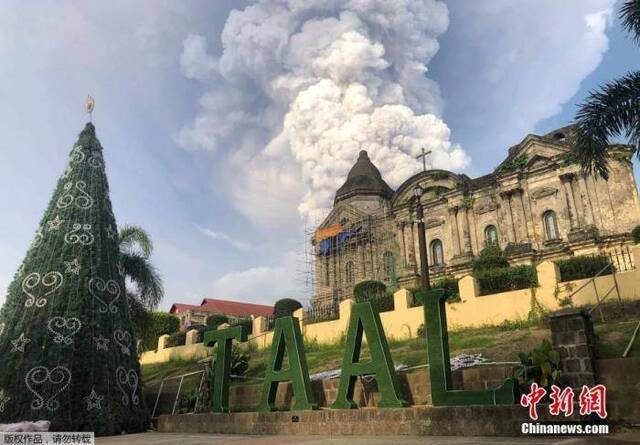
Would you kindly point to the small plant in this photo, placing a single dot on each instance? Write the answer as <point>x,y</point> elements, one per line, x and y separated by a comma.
<point>467,202</point>
<point>542,365</point>
<point>490,257</point>
<point>450,286</point>
<point>216,320</point>
<point>514,164</point>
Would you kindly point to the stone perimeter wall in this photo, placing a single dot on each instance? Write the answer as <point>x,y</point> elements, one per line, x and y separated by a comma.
<point>473,311</point>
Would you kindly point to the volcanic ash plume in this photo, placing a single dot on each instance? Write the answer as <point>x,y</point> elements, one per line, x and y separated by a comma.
<point>303,85</point>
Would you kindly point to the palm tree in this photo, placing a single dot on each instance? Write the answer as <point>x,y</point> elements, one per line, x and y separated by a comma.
<point>147,290</point>
<point>613,110</point>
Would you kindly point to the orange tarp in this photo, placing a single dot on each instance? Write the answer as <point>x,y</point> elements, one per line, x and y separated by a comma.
<point>327,232</point>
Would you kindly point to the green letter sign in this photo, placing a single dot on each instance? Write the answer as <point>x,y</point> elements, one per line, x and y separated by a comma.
<point>365,320</point>
<point>435,321</point>
<point>222,366</point>
<point>287,336</point>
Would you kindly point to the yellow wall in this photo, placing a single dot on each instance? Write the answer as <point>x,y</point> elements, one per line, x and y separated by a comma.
<point>472,311</point>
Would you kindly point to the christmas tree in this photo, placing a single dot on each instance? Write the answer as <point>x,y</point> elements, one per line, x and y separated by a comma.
<point>67,351</point>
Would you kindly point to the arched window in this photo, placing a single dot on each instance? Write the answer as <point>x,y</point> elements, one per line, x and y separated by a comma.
<point>350,272</point>
<point>491,235</point>
<point>437,253</point>
<point>389,265</point>
<point>551,225</point>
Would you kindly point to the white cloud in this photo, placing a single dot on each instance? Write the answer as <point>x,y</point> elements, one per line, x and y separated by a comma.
<point>221,236</point>
<point>263,284</point>
<point>509,65</point>
<point>306,85</point>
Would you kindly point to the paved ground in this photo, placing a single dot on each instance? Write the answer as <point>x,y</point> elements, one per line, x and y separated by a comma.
<point>216,439</point>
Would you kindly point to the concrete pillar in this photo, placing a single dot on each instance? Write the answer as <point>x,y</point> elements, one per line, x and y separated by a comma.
<point>191,337</point>
<point>463,220</point>
<point>259,325</point>
<point>469,287</point>
<point>299,314</point>
<point>345,312</point>
<point>573,337</point>
<point>571,204</point>
<point>511,231</point>
<point>548,279</point>
<point>455,236</point>
<point>585,199</point>
<point>401,300</point>
<point>163,340</point>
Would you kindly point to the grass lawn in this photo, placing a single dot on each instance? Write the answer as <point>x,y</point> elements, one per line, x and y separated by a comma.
<point>496,343</point>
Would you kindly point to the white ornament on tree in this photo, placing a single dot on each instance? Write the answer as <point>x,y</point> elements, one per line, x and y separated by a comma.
<point>73,267</point>
<point>38,377</point>
<point>122,339</point>
<point>37,241</point>
<point>111,233</point>
<point>102,343</point>
<point>79,234</point>
<point>106,293</point>
<point>2,326</point>
<point>19,344</point>
<point>51,281</point>
<point>81,200</point>
<point>130,381</point>
<point>77,154</point>
<point>64,329</point>
<point>93,400</point>
<point>55,223</point>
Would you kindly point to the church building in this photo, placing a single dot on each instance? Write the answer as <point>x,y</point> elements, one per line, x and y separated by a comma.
<point>536,205</point>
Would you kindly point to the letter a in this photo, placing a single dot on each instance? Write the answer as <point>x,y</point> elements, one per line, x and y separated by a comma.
<point>365,320</point>
<point>442,392</point>
<point>287,337</point>
<point>222,366</point>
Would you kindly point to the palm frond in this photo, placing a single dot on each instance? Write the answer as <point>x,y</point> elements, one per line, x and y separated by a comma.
<point>134,239</point>
<point>145,277</point>
<point>630,18</point>
<point>613,110</point>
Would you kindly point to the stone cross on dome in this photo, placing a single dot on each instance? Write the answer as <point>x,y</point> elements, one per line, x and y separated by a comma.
<point>424,158</point>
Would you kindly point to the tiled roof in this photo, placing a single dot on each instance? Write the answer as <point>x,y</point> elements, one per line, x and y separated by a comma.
<point>225,307</point>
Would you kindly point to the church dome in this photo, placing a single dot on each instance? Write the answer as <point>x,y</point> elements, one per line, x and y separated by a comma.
<point>364,178</point>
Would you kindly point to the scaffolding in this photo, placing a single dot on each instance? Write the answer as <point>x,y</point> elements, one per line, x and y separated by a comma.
<point>356,248</point>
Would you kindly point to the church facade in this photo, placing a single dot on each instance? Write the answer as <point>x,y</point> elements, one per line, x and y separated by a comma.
<point>535,205</point>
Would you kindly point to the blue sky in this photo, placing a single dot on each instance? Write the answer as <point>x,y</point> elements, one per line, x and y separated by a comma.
<point>225,145</point>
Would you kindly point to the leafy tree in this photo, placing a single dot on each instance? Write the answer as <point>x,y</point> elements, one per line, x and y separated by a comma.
<point>285,307</point>
<point>490,257</point>
<point>612,110</point>
<point>66,345</point>
<point>147,291</point>
<point>158,323</point>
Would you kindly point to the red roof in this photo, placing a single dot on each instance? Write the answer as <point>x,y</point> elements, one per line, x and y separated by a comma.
<point>225,307</point>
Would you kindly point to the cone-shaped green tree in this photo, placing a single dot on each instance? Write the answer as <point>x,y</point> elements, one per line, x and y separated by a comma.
<point>66,348</point>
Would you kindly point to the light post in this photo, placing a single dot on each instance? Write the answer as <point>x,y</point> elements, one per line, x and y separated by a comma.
<point>422,241</point>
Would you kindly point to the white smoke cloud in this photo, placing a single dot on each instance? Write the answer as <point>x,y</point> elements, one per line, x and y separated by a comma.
<point>303,85</point>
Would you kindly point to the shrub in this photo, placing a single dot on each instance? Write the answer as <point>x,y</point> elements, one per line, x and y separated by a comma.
<point>421,330</point>
<point>161,323</point>
<point>542,365</point>
<point>585,266</point>
<point>285,307</point>
<point>493,281</point>
<point>450,286</point>
<point>177,339</point>
<point>381,303</point>
<point>490,257</point>
<point>636,234</point>
<point>213,321</point>
<point>366,290</point>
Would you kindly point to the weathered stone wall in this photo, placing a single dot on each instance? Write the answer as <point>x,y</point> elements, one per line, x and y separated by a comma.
<point>458,211</point>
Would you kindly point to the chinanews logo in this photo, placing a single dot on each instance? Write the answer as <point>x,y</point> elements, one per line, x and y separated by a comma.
<point>592,401</point>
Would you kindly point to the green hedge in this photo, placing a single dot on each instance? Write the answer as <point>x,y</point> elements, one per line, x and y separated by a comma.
<point>493,281</point>
<point>161,323</point>
<point>585,266</point>
<point>215,320</point>
<point>369,289</point>
<point>382,303</point>
<point>246,322</point>
<point>489,258</point>
<point>450,286</point>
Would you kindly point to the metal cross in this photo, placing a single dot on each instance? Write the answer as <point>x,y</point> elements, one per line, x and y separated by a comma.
<point>424,158</point>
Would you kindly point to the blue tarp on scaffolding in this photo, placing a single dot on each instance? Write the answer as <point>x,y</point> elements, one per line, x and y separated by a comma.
<point>326,245</point>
